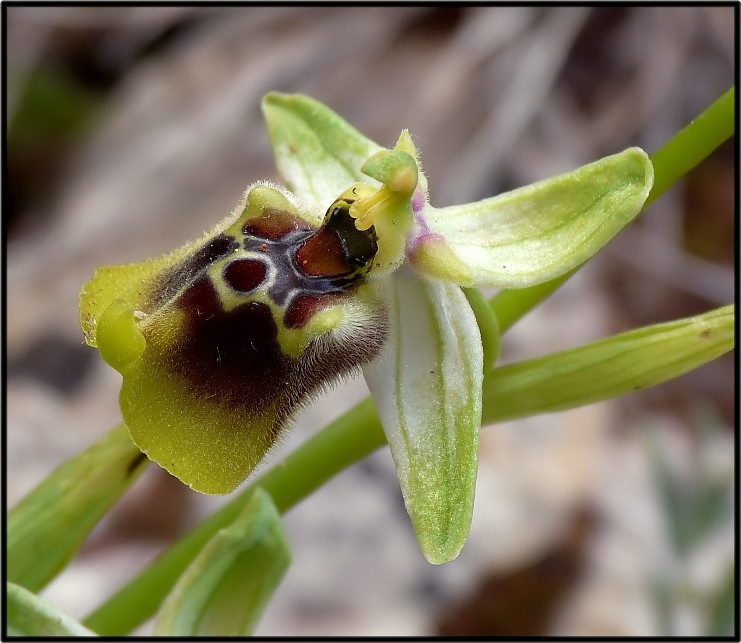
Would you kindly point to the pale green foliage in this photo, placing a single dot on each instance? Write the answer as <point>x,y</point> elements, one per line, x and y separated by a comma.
<point>47,527</point>
<point>28,615</point>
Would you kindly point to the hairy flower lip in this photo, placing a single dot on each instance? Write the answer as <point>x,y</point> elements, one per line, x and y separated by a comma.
<point>243,326</point>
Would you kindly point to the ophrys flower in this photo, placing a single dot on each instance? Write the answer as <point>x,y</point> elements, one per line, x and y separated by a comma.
<point>222,340</point>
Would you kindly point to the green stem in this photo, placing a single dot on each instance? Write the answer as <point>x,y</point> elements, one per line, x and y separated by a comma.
<point>348,439</point>
<point>488,326</point>
<point>678,156</point>
<point>510,306</point>
<point>691,145</point>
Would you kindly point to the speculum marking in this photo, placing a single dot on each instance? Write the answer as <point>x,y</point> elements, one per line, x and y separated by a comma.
<point>244,275</point>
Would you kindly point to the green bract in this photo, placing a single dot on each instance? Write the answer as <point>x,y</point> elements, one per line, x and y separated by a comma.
<point>221,341</point>
<point>225,589</point>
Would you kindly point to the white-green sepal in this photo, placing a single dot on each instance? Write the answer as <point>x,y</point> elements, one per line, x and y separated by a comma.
<point>318,153</point>
<point>225,589</point>
<point>535,233</point>
<point>426,385</point>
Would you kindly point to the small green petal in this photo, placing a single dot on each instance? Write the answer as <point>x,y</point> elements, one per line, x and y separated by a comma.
<point>389,208</point>
<point>535,233</point>
<point>28,615</point>
<point>608,368</point>
<point>317,153</point>
<point>426,385</point>
<point>225,589</point>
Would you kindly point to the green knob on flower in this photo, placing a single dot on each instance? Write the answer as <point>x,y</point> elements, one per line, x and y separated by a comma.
<point>120,341</point>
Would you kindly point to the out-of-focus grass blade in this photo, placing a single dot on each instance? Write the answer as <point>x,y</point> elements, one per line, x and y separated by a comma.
<point>225,589</point>
<point>723,605</point>
<point>28,615</point>
<point>47,527</point>
<point>694,507</point>
<point>608,368</point>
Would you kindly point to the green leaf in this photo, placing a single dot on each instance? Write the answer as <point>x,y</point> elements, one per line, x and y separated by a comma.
<point>608,368</point>
<point>426,385</point>
<point>317,153</point>
<point>225,589</point>
<point>47,527</point>
<point>537,232</point>
<point>28,615</point>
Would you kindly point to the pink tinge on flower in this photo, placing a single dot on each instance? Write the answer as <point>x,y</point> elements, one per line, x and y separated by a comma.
<point>425,238</point>
<point>420,230</point>
<point>431,255</point>
<point>418,201</point>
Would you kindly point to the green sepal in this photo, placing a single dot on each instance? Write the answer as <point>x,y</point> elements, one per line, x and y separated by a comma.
<point>28,615</point>
<point>316,152</point>
<point>608,368</point>
<point>47,527</point>
<point>537,232</point>
<point>225,589</point>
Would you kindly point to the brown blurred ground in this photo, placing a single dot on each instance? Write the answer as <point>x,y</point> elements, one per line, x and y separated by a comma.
<point>133,129</point>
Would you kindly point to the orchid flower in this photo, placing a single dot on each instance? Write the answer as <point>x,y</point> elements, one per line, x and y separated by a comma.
<point>221,341</point>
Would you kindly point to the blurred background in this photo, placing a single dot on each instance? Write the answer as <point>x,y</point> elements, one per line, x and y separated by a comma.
<point>131,130</point>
